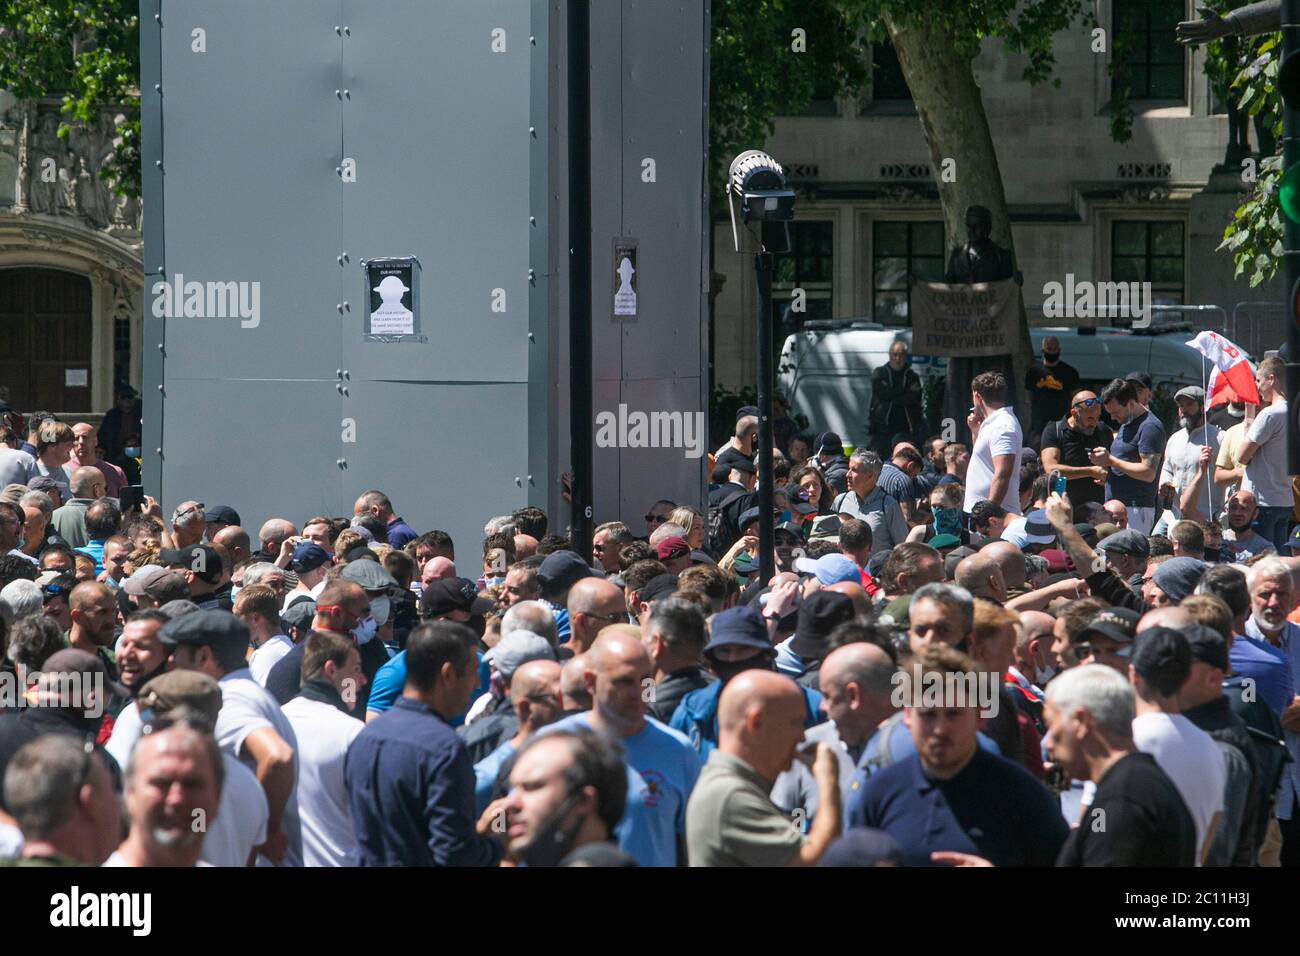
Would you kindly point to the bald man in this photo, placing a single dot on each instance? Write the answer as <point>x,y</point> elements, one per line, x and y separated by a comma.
<point>273,534</point>
<point>1032,667</point>
<point>573,685</point>
<point>536,698</point>
<point>525,546</point>
<point>857,681</point>
<point>236,542</point>
<point>85,454</point>
<point>94,615</point>
<point>661,764</point>
<point>1011,562</point>
<point>982,577</point>
<point>435,569</point>
<point>731,819</point>
<point>593,605</point>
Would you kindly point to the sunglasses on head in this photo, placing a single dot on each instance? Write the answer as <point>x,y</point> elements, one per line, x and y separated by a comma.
<point>1087,403</point>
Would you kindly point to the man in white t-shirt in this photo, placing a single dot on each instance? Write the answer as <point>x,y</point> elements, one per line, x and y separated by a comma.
<point>177,759</point>
<point>1161,664</point>
<point>322,720</point>
<point>1263,454</point>
<point>250,726</point>
<point>258,606</point>
<point>240,824</point>
<point>994,470</point>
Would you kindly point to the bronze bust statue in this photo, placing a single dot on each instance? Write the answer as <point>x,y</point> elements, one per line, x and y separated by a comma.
<point>1248,21</point>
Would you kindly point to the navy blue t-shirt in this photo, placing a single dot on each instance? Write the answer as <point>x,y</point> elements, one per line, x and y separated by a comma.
<point>992,809</point>
<point>1142,436</point>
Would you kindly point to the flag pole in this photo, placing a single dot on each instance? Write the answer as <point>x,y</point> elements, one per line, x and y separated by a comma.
<point>1205,424</point>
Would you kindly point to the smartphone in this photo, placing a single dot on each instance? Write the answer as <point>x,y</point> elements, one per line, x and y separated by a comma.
<point>1058,483</point>
<point>132,496</point>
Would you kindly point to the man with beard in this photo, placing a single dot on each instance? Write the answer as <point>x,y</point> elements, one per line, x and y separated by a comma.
<point>568,791</point>
<point>738,641</point>
<point>1271,600</point>
<point>141,657</point>
<point>183,760</point>
<point>1067,442</point>
<point>1244,542</point>
<point>661,765</point>
<point>1189,462</point>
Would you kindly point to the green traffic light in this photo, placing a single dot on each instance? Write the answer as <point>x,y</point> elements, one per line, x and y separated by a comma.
<point>1288,193</point>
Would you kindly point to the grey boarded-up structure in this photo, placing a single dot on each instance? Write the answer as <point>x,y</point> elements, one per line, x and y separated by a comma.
<point>287,144</point>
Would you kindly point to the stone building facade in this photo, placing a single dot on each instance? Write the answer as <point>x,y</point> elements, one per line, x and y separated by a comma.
<point>71,273</point>
<point>1153,208</point>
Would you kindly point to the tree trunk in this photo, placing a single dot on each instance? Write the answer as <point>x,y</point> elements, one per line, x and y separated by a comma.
<point>951,109</point>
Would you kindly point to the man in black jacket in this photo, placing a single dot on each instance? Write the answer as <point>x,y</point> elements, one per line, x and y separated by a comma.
<point>674,635</point>
<point>895,401</point>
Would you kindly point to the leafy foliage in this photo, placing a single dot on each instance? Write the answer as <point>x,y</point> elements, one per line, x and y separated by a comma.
<point>89,52</point>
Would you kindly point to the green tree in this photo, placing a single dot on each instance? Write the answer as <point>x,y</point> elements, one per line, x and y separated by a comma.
<point>87,51</point>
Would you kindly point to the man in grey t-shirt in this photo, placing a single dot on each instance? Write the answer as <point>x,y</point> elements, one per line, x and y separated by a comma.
<point>1264,455</point>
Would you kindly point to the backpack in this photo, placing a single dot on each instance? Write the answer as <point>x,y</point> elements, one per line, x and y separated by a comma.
<point>722,530</point>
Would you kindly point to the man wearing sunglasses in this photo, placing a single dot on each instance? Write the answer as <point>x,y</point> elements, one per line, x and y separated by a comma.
<point>1067,443</point>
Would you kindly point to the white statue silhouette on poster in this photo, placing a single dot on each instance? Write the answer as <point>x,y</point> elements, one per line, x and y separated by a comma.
<point>392,317</point>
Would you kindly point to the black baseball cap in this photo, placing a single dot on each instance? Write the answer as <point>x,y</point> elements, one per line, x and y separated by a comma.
<point>221,514</point>
<point>741,626</point>
<point>561,570</point>
<point>1117,623</point>
<point>659,586</point>
<point>452,594</point>
<point>202,559</point>
<point>1142,378</point>
<point>1208,646</point>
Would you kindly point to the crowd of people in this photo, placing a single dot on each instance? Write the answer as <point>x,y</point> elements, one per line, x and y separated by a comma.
<point>1078,650</point>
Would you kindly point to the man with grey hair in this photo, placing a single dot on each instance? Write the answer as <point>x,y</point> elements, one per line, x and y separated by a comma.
<point>61,797</point>
<point>23,598</point>
<point>940,614</point>
<point>501,524</point>
<point>188,525</point>
<point>69,521</point>
<point>1136,817</point>
<point>674,636</point>
<point>533,616</point>
<point>38,510</point>
<point>857,684</point>
<point>607,544</point>
<point>866,501</point>
<point>1270,584</point>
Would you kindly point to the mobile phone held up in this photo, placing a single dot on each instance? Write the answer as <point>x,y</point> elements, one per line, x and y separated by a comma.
<point>1058,483</point>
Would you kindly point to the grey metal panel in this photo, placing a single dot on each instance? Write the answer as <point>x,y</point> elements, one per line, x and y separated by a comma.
<point>541,398</point>
<point>657,50</point>
<point>438,124</point>
<point>264,448</point>
<point>250,189</point>
<point>447,455</point>
<point>151,154</point>
<point>651,473</point>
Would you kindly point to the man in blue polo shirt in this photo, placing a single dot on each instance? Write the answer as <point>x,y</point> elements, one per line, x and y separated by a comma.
<point>1133,458</point>
<point>661,765</point>
<point>376,503</point>
<point>952,797</point>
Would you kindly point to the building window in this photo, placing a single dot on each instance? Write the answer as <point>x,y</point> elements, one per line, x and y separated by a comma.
<point>901,251</point>
<point>887,82</point>
<point>809,265</point>
<point>1150,59</point>
<point>823,102</point>
<point>1149,252</point>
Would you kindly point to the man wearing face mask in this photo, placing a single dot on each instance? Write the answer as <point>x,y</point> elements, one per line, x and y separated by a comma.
<point>447,599</point>
<point>345,609</point>
<point>1050,384</point>
<point>1190,454</point>
<point>738,641</point>
<point>1066,445</point>
<point>568,790</point>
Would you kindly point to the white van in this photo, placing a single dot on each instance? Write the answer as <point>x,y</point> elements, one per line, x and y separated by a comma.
<point>825,369</point>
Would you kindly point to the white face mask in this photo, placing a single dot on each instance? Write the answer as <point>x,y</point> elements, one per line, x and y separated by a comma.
<point>234,591</point>
<point>379,609</point>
